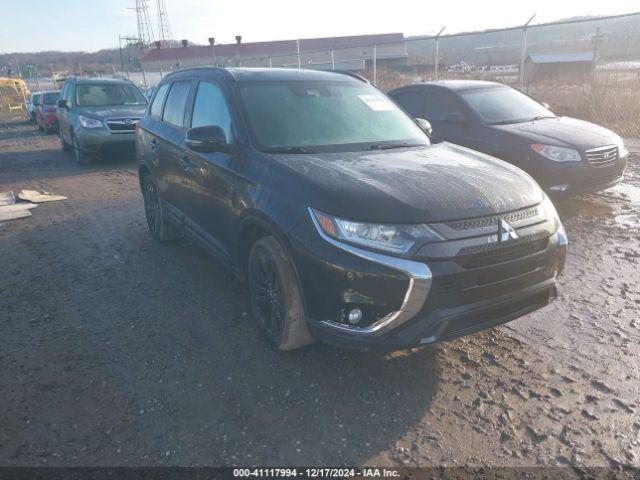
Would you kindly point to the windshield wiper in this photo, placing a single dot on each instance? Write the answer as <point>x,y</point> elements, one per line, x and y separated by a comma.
<point>522,120</point>
<point>507,122</point>
<point>294,149</point>
<point>389,146</point>
<point>542,117</point>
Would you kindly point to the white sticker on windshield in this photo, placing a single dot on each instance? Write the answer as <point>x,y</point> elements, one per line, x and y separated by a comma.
<point>376,103</point>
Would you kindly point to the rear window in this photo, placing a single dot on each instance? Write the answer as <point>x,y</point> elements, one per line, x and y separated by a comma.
<point>50,98</point>
<point>176,103</point>
<point>158,101</point>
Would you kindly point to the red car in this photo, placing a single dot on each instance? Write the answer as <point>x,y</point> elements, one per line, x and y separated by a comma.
<point>46,111</point>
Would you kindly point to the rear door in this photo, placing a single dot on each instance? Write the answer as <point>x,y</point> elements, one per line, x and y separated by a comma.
<point>211,180</point>
<point>147,140</point>
<point>169,146</point>
<point>63,113</point>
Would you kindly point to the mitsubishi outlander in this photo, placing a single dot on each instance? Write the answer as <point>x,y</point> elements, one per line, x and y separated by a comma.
<point>348,225</point>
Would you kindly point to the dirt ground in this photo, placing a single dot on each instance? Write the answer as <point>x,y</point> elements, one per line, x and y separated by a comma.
<point>116,350</point>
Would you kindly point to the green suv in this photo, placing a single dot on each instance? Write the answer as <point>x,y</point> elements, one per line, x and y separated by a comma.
<point>98,116</point>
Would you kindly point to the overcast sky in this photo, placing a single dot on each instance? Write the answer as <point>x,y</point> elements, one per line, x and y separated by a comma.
<point>95,24</point>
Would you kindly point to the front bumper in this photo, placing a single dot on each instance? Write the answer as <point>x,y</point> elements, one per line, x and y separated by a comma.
<point>100,141</point>
<point>414,302</point>
<point>566,179</point>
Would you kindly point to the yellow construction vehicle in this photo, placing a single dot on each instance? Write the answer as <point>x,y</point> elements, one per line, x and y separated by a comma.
<point>13,94</point>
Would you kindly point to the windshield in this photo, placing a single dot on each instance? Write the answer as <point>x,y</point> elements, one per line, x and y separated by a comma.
<point>330,116</point>
<point>36,98</point>
<point>50,98</point>
<point>505,105</point>
<point>108,95</point>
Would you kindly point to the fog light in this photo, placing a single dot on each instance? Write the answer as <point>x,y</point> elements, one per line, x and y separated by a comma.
<point>559,188</point>
<point>354,317</point>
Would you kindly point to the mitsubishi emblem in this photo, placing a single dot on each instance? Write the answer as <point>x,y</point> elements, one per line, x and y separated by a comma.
<point>505,231</point>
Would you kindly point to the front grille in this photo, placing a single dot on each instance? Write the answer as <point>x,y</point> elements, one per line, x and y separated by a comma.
<point>123,125</point>
<point>485,222</point>
<point>494,253</point>
<point>478,321</point>
<point>602,156</point>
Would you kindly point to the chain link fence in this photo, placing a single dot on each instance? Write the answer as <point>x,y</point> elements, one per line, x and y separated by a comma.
<point>587,68</point>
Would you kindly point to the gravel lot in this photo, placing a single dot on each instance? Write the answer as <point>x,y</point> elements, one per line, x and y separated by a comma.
<point>116,350</point>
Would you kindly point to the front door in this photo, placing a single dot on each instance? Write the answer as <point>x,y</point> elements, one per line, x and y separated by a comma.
<point>211,176</point>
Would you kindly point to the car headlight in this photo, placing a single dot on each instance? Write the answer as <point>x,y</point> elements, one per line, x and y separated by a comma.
<point>622,149</point>
<point>392,238</point>
<point>88,122</point>
<point>557,154</point>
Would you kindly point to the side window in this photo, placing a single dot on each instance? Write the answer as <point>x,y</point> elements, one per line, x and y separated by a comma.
<point>437,107</point>
<point>412,102</point>
<point>158,101</point>
<point>210,108</point>
<point>64,94</point>
<point>176,103</point>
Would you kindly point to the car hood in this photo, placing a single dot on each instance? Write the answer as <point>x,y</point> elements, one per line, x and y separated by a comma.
<point>563,131</point>
<point>113,112</point>
<point>412,185</point>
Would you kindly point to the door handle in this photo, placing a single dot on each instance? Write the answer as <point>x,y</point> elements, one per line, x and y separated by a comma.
<point>185,163</point>
<point>153,145</point>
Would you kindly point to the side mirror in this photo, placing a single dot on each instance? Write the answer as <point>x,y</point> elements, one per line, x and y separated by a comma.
<point>62,103</point>
<point>455,118</point>
<point>210,138</point>
<point>425,125</point>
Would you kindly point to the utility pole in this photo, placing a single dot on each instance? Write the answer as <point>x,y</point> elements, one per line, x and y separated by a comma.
<point>375,63</point>
<point>15,60</point>
<point>596,45</point>
<point>212,42</point>
<point>523,55</point>
<point>437,59</point>
<point>238,42</point>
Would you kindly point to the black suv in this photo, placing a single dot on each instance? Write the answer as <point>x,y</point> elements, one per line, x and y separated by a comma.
<point>348,225</point>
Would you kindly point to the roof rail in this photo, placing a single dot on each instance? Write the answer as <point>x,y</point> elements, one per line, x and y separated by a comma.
<point>351,74</point>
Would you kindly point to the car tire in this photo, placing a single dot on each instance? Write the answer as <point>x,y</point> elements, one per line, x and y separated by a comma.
<point>275,296</point>
<point>159,226</point>
<point>63,144</point>
<point>81,157</point>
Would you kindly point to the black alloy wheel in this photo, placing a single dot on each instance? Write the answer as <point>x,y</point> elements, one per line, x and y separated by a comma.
<point>267,293</point>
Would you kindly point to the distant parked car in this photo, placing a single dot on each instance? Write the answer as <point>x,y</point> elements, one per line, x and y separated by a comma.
<point>46,112</point>
<point>565,155</point>
<point>98,116</point>
<point>34,101</point>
